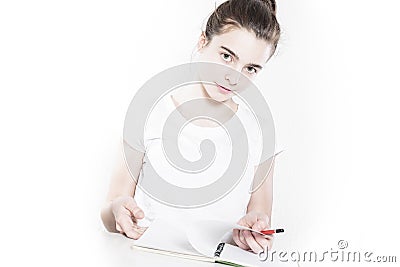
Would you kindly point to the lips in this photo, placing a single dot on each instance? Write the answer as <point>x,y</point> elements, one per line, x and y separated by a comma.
<point>223,90</point>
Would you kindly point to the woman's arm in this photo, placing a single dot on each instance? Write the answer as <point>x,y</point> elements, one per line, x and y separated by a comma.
<point>261,198</point>
<point>258,210</point>
<point>120,210</point>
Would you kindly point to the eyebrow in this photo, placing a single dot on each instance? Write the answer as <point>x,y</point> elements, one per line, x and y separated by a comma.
<point>237,58</point>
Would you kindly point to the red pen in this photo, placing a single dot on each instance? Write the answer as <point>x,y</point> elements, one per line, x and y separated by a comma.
<point>270,232</point>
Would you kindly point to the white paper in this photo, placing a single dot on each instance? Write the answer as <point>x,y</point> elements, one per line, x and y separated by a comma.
<point>199,238</point>
<point>205,235</point>
<point>165,235</point>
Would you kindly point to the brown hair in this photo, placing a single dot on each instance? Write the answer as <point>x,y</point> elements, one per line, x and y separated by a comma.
<point>258,16</point>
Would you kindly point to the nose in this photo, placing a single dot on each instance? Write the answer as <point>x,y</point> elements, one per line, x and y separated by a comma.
<point>233,77</point>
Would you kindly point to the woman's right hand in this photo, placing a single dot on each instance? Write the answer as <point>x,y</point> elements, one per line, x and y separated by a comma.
<point>127,213</point>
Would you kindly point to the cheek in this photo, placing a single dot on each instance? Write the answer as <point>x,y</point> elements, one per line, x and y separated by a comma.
<point>208,55</point>
<point>214,93</point>
<point>209,88</point>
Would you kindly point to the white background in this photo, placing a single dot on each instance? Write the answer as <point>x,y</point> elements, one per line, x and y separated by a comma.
<point>68,71</point>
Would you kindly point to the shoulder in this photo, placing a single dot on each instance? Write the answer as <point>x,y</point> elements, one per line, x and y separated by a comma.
<point>253,124</point>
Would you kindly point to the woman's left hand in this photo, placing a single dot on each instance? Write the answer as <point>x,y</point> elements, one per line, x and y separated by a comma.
<point>248,240</point>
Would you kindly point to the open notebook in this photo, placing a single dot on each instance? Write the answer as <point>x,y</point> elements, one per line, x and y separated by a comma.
<point>203,240</point>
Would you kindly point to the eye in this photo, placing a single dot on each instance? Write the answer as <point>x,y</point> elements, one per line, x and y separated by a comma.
<point>251,70</point>
<point>226,57</point>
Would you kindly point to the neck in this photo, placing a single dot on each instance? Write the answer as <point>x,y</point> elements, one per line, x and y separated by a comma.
<point>195,91</point>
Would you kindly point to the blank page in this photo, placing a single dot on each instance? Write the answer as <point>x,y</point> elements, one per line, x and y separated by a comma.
<point>164,235</point>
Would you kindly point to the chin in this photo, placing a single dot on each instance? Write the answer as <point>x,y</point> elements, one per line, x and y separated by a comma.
<point>217,97</point>
<point>213,93</point>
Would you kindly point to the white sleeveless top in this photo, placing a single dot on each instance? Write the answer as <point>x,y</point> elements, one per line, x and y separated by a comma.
<point>229,208</point>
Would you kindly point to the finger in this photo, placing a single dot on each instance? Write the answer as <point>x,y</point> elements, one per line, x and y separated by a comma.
<point>118,227</point>
<point>139,229</point>
<point>271,241</point>
<point>134,209</point>
<point>235,236</point>
<point>251,242</point>
<point>261,224</point>
<point>243,239</point>
<point>263,241</point>
<point>134,234</point>
<point>128,227</point>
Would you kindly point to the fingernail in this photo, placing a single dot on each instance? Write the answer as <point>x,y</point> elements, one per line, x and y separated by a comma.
<point>139,213</point>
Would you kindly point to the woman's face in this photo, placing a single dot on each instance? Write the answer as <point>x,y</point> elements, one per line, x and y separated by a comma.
<point>238,49</point>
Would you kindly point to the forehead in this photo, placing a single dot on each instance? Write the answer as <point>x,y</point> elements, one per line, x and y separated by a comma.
<point>244,44</point>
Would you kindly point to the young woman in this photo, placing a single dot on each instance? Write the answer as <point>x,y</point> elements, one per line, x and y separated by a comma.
<point>243,35</point>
